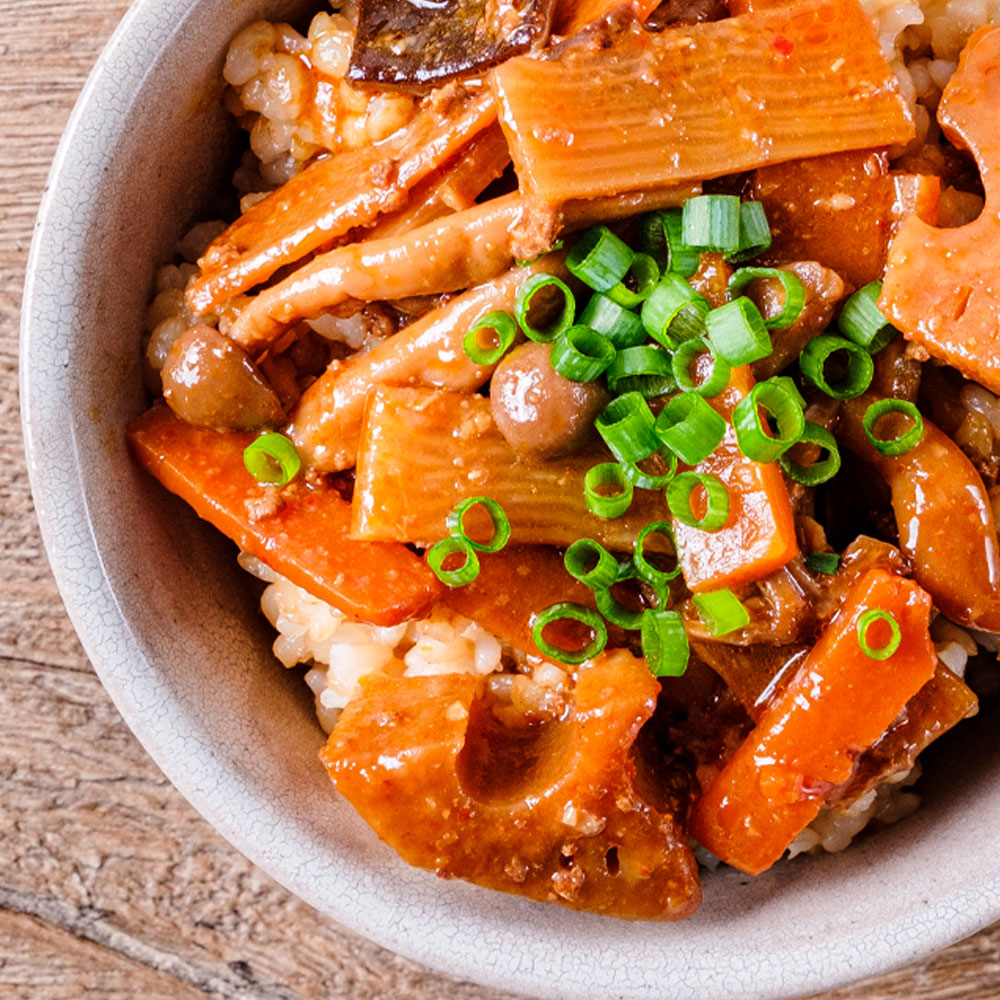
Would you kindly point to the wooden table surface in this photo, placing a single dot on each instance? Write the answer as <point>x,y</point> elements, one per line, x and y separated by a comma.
<point>110,884</point>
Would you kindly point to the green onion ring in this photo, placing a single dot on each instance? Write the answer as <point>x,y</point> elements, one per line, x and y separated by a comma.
<point>646,272</point>
<point>581,354</point>
<point>690,428</point>
<point>866,621</point>
<point>721,610</point>
<point>627,426</point>
<point>621,326</point>
<point>504,331</point>
<point>902,444</point>
<point>646,570</point>
<point>791,285</point>
<point>755,233</point>
<point>439,552</point>
<point>817,472</point>
<point>600,476</point>
<point>717,507</point>
<point>501,525</point>
<point>272,459</point>
<point>524,299</point>
<point>862,321</point>
<point>599,259</point>
<point>752,437</point>
<point>643,480</point>
<point>738,332</point>
<point>860,367</point>
<point>591,563</point>
<point>683,357</point>
<point>711,222</point>
<point>674,311</point>
<point>664,643</point>
<point>644,368</point>
<point>574,612</point>
<point>661,236</point>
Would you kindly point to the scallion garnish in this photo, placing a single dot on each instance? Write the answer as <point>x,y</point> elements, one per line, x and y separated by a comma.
<point>489,338</point>
<point>661,236</point>
<point>581,354</point>
<point>791,285</point>
<point>501,525</point>
<point>567,610</point>
<point>902,443</point>
<point>599,259</point>
<point>685,355</point>
<point>862,321</point>
<point>674,311</point>
<point>858,372</point>
<point>646,570</point>
<point>627,426</point>
<point>544,307</point>
<point>614,611</point>
<point>753,435</point>
<point>679,494</point>
<point>620,325</point>
<point>866,621</point>
<point>644,480</point>
<point>645,274</point>
<point>755,233</point>
<point>439,553</point>
<point>591,563</point>
<point>599,479</point>
<point>664,643</point>
<point>711,222</point>
<point>272,459</point>
<point>645,369</point>
<point>690,428</point>
<point>823,562</point>
<point>722,611</point>
<point>815,472</point>
<point>738,332</point>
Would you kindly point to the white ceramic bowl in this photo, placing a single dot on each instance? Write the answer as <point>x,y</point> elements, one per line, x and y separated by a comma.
<point>172,627</point>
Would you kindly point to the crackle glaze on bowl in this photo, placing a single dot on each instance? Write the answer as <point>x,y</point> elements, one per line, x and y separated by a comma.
<point>172,628</point>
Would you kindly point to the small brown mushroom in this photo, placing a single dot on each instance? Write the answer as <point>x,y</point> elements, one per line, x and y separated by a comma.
<point>210,382</point>
<point>539,412</point>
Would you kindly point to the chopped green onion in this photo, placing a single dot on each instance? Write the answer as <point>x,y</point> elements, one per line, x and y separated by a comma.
<point>755,233</point>
<point>664,643</point>
<point>620,325</point>
<point>544,307</point>
<point>591,563</point>
<point>272,459</point>
<point>854,381</point>
<point>791,285</point>
<point>738,332</point>
<point>722,611</point>
<point>501,525</point>
<point>690,428</point>
<point>614,611</point>
<point>581,354</point>
<point>679,494</point>
<point>627,426</point>
<point>674,311</point>
<point>793,390</point>
<point>566,610</point>
<point>902,443</point>
<point>599,259</point>
<point>661,237</point>
<point>712,223</point>
<point>752,433</point>
<point>651,480</point>
<point>601,477</point>
<point>489,338</point>
<point>816,472</point>
<point>862,321</point>
<point>645,273</point>
<point>646,570</point>
<point>685,355</point>
<point>866,621</point>
<point>439,552</point>
<point>645,369</point>
<point>823,562</point>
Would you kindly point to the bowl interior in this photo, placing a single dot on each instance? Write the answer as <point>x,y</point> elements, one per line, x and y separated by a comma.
<point>172,626</point>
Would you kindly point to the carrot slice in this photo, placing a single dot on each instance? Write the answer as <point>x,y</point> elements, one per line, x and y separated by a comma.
<point>941,284</point>
<point>838,704</point>
<point>759,536</point>
<point>301,533</point>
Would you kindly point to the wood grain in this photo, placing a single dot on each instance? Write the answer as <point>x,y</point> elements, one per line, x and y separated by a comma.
<point>111,886</point>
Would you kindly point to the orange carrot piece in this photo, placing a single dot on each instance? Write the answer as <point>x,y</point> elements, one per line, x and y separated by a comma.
<point>621,109</point>
<point>941,284</point>
<point>332,196</point>
<point>838,704</point>
<point>759,536</point>
<point>299,532</point>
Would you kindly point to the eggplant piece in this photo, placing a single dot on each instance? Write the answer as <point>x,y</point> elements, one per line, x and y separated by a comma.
<point>417,44</point>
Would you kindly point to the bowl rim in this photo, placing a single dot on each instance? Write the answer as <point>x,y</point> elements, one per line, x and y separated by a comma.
<point>53,463</point>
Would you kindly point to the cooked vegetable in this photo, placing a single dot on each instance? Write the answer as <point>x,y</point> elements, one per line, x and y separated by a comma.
<point>940,284</point>
<point>806,740</point>
<point>594,118</point>
<point>300,532</point>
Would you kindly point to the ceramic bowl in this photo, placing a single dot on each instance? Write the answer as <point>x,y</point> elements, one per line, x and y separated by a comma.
<point>172,628</point>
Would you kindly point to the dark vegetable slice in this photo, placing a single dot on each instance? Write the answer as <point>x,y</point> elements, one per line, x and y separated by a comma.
<point>415,46</point>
